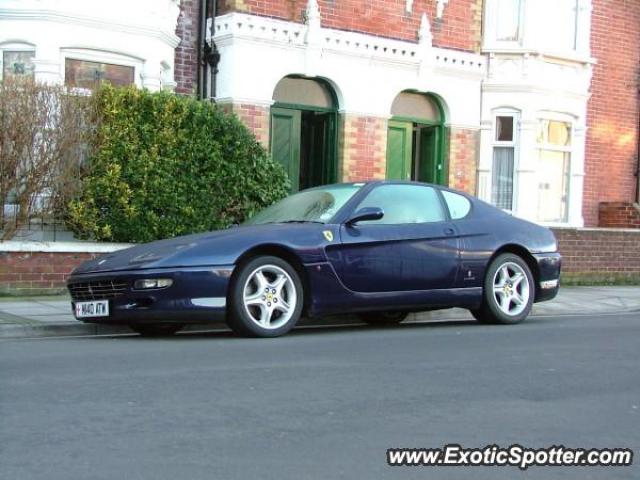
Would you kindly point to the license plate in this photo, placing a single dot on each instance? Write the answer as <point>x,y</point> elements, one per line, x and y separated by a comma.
<point>97,308</point>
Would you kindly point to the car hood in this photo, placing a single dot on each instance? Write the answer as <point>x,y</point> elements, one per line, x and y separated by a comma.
<point>221,247</point>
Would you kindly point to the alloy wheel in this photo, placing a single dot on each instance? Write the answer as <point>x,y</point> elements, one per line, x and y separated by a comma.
<point>511,289</point>
<point>269,296</point>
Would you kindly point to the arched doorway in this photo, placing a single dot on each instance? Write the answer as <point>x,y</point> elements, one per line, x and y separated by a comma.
<point>304,123</point>
<point>416,148</point>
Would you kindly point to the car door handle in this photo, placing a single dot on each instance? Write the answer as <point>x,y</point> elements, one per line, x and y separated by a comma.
<point>449,231</point>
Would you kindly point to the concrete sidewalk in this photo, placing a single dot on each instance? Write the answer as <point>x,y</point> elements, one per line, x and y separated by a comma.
<point>51,316</point>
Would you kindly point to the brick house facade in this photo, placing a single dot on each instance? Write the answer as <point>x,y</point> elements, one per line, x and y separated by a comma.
<point>611,176</point>
<point>533,106</point>
<point>581,85</point>
<point>426,46</point>
<point>186,56</point>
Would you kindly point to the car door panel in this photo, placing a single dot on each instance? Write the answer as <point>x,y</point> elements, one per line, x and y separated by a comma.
<point>388,258</point>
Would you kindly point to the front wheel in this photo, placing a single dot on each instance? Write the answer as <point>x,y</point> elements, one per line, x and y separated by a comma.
<point>508,292</point>
<point>266,298</point>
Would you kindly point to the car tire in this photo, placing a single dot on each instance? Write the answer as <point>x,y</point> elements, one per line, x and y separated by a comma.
<point>156,329</point>
<point>383,319</point>
<point>508,291</point>
<point>266,298</point>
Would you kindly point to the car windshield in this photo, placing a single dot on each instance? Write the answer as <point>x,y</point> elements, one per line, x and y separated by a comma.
<point>315,205</point>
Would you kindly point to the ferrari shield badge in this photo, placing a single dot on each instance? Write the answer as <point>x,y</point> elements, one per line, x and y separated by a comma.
<point>328,234</point>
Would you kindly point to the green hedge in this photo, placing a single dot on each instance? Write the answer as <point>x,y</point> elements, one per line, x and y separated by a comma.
<point>163,165</point>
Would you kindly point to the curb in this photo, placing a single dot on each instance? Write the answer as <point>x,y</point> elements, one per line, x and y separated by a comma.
<point>59,330</point>
<point>76,329</point>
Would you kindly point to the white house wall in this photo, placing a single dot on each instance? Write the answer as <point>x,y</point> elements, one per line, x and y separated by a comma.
<point>137,33</point>
<point>536,80</point>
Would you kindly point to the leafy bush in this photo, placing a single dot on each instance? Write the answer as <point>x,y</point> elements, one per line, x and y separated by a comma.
<point>164,165</point>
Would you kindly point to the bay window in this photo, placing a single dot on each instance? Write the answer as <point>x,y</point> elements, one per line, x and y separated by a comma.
<point>508,20</point>
<point>551,26</point>
<point>554,164</point>
<point>17,61</point>
<point>558,24</point>
<point>504,156</point>
<point>89,74</point>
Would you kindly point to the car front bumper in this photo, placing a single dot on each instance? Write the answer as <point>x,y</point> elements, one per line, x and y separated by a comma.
<point>197,295</point>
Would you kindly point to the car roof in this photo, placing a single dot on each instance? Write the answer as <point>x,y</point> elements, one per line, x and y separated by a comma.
<point>365,183</point>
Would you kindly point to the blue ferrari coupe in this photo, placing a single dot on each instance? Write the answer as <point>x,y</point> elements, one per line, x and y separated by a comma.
<point>377,249</point>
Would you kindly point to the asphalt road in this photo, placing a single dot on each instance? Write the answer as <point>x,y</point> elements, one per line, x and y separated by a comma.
<point>320,403</point>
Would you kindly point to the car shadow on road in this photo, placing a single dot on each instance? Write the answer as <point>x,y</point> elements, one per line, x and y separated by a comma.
<point>331,326</point>
<point>324,329</point>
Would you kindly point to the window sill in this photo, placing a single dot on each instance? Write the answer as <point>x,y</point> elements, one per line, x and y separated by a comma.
<point>542,53</point>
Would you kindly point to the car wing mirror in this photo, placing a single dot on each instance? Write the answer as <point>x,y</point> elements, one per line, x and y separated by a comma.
<point>364,214</point>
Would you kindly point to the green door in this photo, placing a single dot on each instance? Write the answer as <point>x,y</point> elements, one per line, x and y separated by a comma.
<point>428,164</point>
<point>431,165</point>
<point>330,149</point>
<point>285,141</point>
<point>321,148</point>
<point>399,140</point>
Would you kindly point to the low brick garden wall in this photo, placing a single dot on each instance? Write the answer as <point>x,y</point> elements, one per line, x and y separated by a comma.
<point>590,256</point>
<point>37,268</point>
<point>599,255</point>
<point>619,215</point>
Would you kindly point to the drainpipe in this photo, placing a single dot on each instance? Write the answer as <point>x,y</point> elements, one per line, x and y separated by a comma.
<point>638,155</point>
<point>201,73</point>
<point>208,56</point>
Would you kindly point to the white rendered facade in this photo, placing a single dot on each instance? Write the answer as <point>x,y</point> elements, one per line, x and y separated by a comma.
<point>539,70</point>
<point>535,67</point>
<point>366,72</point>
<point>135,34</point>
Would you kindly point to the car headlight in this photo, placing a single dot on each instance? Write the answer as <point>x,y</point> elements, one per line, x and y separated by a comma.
<point>152,283</point>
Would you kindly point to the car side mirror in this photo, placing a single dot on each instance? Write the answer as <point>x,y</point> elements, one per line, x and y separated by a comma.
<point>366,213</point>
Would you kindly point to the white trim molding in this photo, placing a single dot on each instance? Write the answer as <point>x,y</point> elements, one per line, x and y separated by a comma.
<point>366,71</point>
<point>61,247</point>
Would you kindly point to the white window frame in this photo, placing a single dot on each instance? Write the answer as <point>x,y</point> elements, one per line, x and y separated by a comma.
<point>514,143</point>
<point>533,28</point>
<point>100,56</point>
<point>491,31</point>
<point>14,46</point>
<point>571,150</point>
<point>521,19</point>
<point>578,7</point>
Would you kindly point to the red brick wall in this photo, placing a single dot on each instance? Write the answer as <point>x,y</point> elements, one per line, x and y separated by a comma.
<point>255,117</point>
<point>619,215</point>
<point>186,57</point>
<point>464,149</point>
<point>35,273</point>
<point>599,254</point>
<point>611,150</point>
<point>363,148</point>
<point>590,255</point>
<point>459,28</point>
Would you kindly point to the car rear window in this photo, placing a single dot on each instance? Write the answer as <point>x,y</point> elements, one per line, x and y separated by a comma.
<point>459,206</point>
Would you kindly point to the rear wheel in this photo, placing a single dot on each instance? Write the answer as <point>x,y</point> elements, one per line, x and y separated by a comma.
<point>266,298</point>
<point>155,329</point>
<point>383,318</point>
<point>508,292</point>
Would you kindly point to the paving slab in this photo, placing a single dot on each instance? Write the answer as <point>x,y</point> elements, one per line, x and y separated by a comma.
<point>51,316</point>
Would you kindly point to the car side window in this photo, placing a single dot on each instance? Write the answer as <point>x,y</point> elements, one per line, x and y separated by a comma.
<point>404,204</point>
<point>458,205</point>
